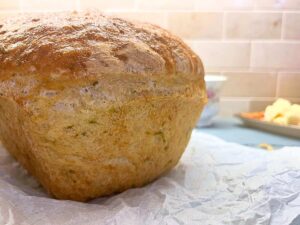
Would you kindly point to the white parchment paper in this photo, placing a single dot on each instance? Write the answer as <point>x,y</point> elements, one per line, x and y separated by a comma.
<point>215,183</point>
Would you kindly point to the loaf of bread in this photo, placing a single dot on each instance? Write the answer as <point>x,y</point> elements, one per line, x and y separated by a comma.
<point>92,105</point>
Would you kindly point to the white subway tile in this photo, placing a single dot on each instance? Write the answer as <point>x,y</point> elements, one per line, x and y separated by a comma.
<point>260,105</point>
<point>224,4</point>
<point>249,25</point>
<point>158,18</point>
<point>9,5</point>
<point>104,5</point>
<point>292,26</point>
<point>276,55</point>
<point>195,25</point>
<point>289,85</point>
<point>54,5</point>
<point>229,107</point>
<point>277,4</point>
<point>220,56</point>
<point>166,4</point>
<point>247,84</point>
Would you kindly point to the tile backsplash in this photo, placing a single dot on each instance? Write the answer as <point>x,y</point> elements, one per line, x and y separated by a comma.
<point>255,43</point>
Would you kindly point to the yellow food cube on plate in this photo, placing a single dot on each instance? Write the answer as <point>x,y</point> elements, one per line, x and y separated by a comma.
<point>280,120</point>
<point>293,115</point>
<point>277,109</point>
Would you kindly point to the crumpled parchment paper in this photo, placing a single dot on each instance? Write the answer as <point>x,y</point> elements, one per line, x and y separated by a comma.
<point>215,183</point>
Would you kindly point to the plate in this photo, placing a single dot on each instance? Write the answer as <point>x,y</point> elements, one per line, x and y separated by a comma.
<point>287,130</point>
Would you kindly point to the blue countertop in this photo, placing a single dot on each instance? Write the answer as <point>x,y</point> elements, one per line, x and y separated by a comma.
<point>231,129</point>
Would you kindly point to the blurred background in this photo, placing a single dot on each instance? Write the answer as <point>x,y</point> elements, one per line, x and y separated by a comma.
<point>255,43</point>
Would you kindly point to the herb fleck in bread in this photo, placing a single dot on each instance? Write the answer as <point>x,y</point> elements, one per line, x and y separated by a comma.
<point>93,105</point>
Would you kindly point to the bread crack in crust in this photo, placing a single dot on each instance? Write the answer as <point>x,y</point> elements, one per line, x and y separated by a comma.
<point>93,105</point>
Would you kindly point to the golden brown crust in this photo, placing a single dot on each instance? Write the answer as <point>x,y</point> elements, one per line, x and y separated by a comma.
<point>85,44</point>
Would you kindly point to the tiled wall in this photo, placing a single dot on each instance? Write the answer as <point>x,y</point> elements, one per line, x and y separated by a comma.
<point>255,43</point>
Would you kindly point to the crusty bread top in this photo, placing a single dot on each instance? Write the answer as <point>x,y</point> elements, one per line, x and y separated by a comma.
<point>87,44</point>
